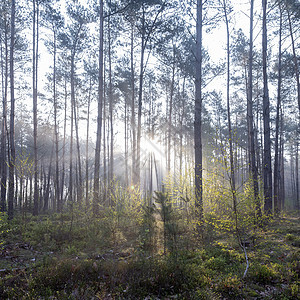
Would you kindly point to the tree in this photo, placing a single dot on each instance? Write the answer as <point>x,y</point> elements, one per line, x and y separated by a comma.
<point>250,121</point>
<point>12,152</point>
<point>267,169</point>
<point>146,28</point>
<point>198,120</point>
<point>277,200</point>
<point>96,191</point>
<point>73,39</point>
<point>292,6</point>
<point>35,43</point>
<point>55,22</point>
<point>4,34</point>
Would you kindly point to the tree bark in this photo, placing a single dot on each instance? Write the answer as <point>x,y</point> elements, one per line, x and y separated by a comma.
<point>4,71</point>
<point>277,199</point>
<point>295,58</point>
<point>96,198</point>
<point>267,168</point>
<point>170,113</point>
<point>133,124</point>
<point>251,134</point>
<point>34,87</point>
<point>198,121</point>
<point>12,154</point>
<point>56,203</point>
<point>110,93</point>
<point>140,97</point>
<point>87,147</point>
<point>70,189</point>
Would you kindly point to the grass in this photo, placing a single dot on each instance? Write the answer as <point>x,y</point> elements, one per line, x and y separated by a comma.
<point>43,259</point>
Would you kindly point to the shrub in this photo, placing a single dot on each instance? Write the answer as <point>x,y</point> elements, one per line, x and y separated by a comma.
<point>263,274</point>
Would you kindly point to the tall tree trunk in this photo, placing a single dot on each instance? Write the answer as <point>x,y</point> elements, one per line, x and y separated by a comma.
<point>47,184</point>
<point>126,141</point>
<point>198,121</point>
<point>72,125</point>
<point>99,118</point>
<point>267,168</point>
<point>79,185</point>
<point>133,124</point>
<point>87,147</point>
<point>276,150</point>
<point>170,113</point>
<point>251,134</point>
<point>56,203</point>
<point>4,71</point>
<point>140,98</point>
<point>297,176</point>
<point>110,93</point>
<point>181,118</point>
<point>295,58</point>
<point>12,154</point>
<point>231,154</point>
<point>34,86</point>
<point>62,183</point>
<point>281,163</point>
<point>105,142</point>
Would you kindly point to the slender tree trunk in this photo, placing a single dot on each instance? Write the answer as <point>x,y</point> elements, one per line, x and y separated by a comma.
<point>140,98</point>
<point>79,185</point>
<point>276,150</point>
<point>34,85</point>
<point>56,202</point>
<point>126,141</point>
<point>47,185</point>
<point>292,190</point>
<point>12,154</point>
<point>170,113</point>
<point>231,154</point>
<point>4,71</point>
<point>105,158</point>
<point>295,58</point>
<point>96,197</point>
<point>110,92</point>
<point>87,147</point>
<point>251,134</point>
<point>62,184</point>
<point>198,121</point>
<point>71,135</point>
<point>282,174</point>
<point>181,118</point>
<point>133,124</point>
<point>267,173</point>
<point>281,188</point>
<point>297,177</point>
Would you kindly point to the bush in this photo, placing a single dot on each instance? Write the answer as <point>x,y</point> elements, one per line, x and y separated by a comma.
<point>263,274</point>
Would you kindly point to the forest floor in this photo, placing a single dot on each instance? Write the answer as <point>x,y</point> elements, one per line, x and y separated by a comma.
<point>40,261</point>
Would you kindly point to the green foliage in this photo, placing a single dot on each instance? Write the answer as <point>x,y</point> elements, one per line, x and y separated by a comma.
<point>168,216</point>
<point>263,274</point>
<point>290,237</point>
<point>117,253</point>
<point>4,227</point>
<point>148,239</point>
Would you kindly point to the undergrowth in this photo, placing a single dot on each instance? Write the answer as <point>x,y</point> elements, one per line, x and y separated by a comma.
<point>118,257</point>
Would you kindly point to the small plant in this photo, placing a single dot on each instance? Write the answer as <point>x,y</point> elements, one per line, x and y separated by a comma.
<point>4,227</point>
<point>231,287</point>
<point>148,230</point>
<point>290,237</point>
<point>170,226</point>
<point>71,249</point>
<point>263,274</point>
